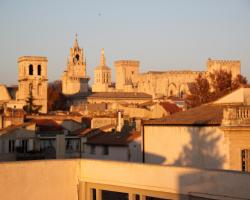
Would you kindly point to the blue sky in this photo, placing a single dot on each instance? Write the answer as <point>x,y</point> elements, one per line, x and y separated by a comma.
<point>162,34</point>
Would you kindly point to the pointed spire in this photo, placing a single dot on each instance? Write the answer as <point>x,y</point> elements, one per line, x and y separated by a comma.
<point>76,42</point>
<point>103,59</point>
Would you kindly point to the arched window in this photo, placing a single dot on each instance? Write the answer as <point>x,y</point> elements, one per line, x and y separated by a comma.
<point>39,70</point>
<point>182,93</point>
<point>171,93</point>
<point>77,57</point>
<point>30,69</point>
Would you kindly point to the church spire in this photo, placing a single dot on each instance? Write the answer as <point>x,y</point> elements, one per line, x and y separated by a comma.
<point>76,42</point>
<point>103,59</point>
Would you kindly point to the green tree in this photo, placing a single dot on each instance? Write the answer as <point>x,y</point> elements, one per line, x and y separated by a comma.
<point>221,82</point>
<point>56,100</point>
<point>30,107</point>
<point>239,81</point>
<point>199,91</point>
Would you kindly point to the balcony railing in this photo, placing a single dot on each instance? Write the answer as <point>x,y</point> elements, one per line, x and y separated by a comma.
<point>236,116</point>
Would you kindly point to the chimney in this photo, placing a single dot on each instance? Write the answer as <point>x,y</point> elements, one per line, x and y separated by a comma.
<point>119,122</point>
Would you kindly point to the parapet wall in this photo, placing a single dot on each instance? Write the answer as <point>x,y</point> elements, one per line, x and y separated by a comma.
<point>134,63</point>
<point>65,179</point>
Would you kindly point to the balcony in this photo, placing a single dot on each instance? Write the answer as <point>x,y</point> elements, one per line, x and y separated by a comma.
<point>236,116</point>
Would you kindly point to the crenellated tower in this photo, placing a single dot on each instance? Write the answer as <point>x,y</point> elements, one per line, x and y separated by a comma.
<point>232,66</point>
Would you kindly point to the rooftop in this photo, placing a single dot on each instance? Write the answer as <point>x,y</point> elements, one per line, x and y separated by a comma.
<point>47,125</point>
<point>32,58</point>
<point>113,139</point>
<point>119,95</point>
<point>209,114</point>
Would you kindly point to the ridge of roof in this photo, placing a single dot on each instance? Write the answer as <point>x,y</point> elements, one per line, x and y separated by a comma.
<point>208,114</point>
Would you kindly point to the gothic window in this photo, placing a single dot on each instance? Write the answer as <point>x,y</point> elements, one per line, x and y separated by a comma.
<point>39,70</point>
<point>30,69</point>
<point>77,57</point>
<point>182,93</point>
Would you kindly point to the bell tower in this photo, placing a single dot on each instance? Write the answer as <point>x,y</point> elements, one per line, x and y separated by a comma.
<point>74,79</point>
<point>76,62</point>
<point>32,81</point>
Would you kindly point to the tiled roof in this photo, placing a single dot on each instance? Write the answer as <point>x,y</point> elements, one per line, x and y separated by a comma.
<point>12,128</point>
<point>174,98</point>
<point>170,107</point>
<point>47,125</point>
<point>118,95</point>
<point>210,114</point>
<point>113,139</point>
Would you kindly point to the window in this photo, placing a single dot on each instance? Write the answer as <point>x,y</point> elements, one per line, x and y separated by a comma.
<point>39,70</point>
<point>245,160</point>
<point>77,57</point>
<point>105,150</point>
<point>24,146</point>
<point>30,69</point>
<point>92,149</point>
<point>11,146</point>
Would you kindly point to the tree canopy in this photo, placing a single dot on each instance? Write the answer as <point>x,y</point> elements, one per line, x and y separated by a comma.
<point>56,100</point>
<point>213,86</point>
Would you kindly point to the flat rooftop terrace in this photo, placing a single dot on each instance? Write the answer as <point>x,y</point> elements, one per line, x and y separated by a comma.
<point>78,179</point>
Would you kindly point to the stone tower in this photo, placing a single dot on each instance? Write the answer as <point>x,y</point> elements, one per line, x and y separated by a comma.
<point>102,76</point>
<point>127,72</point>
<point>32,78</point>
<point>74,79</point>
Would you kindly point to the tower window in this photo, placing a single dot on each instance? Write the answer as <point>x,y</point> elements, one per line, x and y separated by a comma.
<point>30,69</point>
<point>39,70</point>
<point>77,57</point>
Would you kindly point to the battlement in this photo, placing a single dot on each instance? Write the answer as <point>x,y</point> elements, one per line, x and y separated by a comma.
<point>213,61</point>
<point>32,58</point>
<point>134,63</point>
<point>228,65</point>
<point>175,72</point>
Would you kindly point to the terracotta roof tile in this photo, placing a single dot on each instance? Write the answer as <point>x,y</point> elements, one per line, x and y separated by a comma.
<point>113,139</point>
<point>47,125</point>
<point>170,107</point>
<point>210,114</point>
